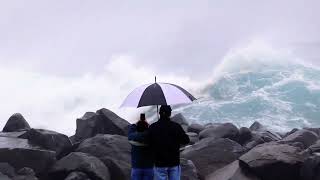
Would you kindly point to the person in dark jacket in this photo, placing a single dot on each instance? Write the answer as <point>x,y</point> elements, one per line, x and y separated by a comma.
<point>141,155</point>
<point>165,138</point>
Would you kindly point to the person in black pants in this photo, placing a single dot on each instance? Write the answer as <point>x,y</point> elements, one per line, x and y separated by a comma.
<point>165,138</point>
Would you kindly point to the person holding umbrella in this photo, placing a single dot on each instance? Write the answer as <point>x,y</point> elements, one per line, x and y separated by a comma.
<point>164,137</point>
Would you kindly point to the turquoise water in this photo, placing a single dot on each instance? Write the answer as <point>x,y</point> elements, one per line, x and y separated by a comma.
<point>281,96</point>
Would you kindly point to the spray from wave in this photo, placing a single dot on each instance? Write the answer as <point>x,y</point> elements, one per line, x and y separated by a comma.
<point>258,83</point>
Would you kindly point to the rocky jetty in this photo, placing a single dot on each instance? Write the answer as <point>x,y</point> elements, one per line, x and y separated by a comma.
<point>99,150</point>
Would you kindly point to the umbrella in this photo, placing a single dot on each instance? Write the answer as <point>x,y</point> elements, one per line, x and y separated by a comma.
<point>157,94</point>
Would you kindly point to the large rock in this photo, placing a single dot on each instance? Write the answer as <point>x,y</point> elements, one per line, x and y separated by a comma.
<point>193,137</point>
<point>256,126</point>
<point>103,121</point>
<point>196,128</point>
<point>315,148</point>
<point>310,169</point>
<point>180,119</point>
<point>307,138</point>
<point>272,161</point>
<point>245,135</point>
<point>78,161</point>
<point>113,150</point>
<point>12,134</point>
<point>7,169</point>
<point>16,123</point>
<point>4,177</point>
<point>50,140</point>
<point>20,153</point>
<point>77,176</point>
<point>226,130</point>
<point>188,170</point>
<point>211,154</point>
<point>232,172</point>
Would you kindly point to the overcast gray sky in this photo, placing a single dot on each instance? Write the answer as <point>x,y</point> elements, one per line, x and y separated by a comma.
<point>76,36</point>
<point>60,58</point>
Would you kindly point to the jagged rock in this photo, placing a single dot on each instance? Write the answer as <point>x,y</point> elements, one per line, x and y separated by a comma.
<point>28,177</point>
<point>227,130</point>
<point>7,169</point>
<point>188,170</point>
<point>291,132</point>
<point>307,138</point>
<point>110,149</point>
<point>315,130</point>
<point>180,119</point>
<point>20,153</point>
<point>196,128</point>
<point>49,140</point>
<point>245,135</point>
<point>272,161</point>
<point>310,169</point>
<point>210,154</point>
<point>4,177</point>
<point>232,172</point>
<point>193,137</point>
<point>12,134</point>
<point>103,121</point>
<point>315,147</point>
<point>77,176</point>
<point>256,126</point>
<point>16,123</point>
<point>26,171</point>
<point>78,161</point>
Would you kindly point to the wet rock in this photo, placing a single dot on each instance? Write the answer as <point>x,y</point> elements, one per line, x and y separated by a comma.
<point>7,169</point>
<point>4,177</point>
<point>111,149</point>
<point>211,154</point>
<point>188,170</point>
<point>16,123</point>
<point>20,153</point>
<point>256,126</point>
<point>78,161</point>
<point>77,176</point>
<point>193,137</point>
<point>180,119</point>
<point>103,121</point>
<point>245,135</point>
<point>307,138</point>
<point>310,169</point>
<point>232,172</point>
<point>272,161</point>
<point>49,140</point>
<point>196,128</point>
<point>227,130</point>
<point>315,147</point>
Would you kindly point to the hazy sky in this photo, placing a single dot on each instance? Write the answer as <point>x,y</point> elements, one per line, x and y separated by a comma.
<point>61,58</point>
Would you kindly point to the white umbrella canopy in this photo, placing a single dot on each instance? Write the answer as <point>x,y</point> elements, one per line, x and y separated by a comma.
<point>157,94</point>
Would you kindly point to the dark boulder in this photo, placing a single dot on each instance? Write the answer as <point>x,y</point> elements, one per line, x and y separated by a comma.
<point>226,130</point>
<point>245,135</point>
<point>103,121</point>
<point>272,161</point>
<point>315,148</point>
<point>180,119</point>
<point>49,140</point>
<point>12,134</point>
<point>307,138</point>
<point>193,137</point>
<point>113,150</point>
<point>76,175</point>
<point>256,126</point>
<point>16,123</point>
<point>232,172</point>
<point>315,130</point>
<point>78,161</point>
<point>310,169</point>
<point>196,128</point>
<point>7,169</point>
<point>20,153</point>
<point>4,177</point>
<point>188,170</point>
<point>211,154</point>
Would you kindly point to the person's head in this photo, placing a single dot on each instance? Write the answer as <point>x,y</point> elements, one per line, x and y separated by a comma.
<point>165,111</point>
<point>142,124</point>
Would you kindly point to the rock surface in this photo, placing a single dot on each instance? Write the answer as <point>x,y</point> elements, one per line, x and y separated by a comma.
<point>113,150</point>
<point>78,161</point>
<point>20,153</point>
<point>211,154</point>
<point>103,121</point>
<point>232,172</point>
<point>49,140</point>
<point>310,169</point>
<point>306,137</point>
<point>188,170</point>
<point>76,175</point>
<point>272,161</point>
<point>226,130</point>
<point>196,128</point>
<point>16,123</point>
<point>180,119</point>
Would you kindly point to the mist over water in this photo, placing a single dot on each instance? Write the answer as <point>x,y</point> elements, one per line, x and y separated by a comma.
<point>258,83</point>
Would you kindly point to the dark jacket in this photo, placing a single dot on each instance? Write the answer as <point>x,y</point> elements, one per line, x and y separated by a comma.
<point>141,156</point>
<point>165,138</point>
